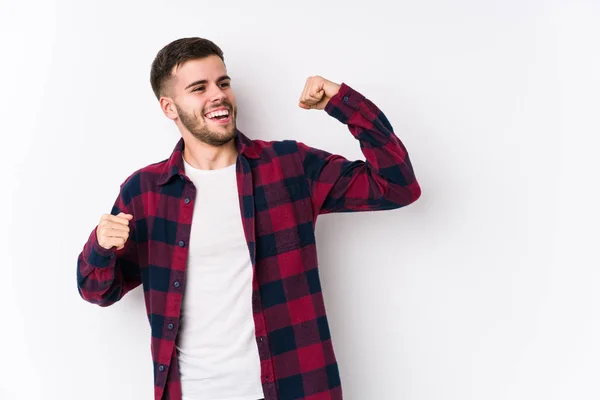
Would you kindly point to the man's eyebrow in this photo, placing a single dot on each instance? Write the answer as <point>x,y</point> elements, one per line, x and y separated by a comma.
<point>204,81</point>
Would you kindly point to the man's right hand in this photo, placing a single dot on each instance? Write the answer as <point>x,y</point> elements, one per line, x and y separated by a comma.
<point>113,230</point>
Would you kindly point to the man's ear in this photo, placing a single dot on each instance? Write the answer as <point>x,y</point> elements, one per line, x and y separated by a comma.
<point>167,105</point>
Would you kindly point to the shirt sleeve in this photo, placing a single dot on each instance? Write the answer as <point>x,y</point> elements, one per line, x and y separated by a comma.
<point>104,276</point>
<point>384,180</point>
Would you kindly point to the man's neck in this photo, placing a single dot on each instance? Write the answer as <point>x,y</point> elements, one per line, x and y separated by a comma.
<point>203,156</point>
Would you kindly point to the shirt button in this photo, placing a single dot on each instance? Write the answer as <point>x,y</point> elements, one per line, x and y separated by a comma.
<point>262,339</point>
<point>170,326</point>
<point>161,368</point>
<point>176,284</point>
<point>181,243</point>
<point>345,99</point>
<point>187,200</point>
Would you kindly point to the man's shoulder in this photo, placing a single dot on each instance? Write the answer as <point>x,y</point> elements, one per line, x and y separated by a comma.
<point>273,148</point>
<point>145,176</point>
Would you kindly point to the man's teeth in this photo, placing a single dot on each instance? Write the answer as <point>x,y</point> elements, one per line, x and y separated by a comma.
<point>217,113</point>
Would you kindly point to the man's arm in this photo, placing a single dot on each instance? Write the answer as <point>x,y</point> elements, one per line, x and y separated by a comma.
<point>384,181</point>
<point>104,276</point>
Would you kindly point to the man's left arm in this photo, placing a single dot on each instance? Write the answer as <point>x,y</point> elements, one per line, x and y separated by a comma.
<point>384,181</point>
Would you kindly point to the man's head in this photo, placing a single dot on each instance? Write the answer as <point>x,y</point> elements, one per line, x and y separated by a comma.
<point>189,78</point>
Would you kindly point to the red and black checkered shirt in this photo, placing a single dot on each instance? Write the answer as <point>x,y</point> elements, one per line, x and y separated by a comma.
<point>283,186</point>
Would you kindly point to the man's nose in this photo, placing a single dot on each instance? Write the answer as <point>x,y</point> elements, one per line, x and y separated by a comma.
<point>217,93</point>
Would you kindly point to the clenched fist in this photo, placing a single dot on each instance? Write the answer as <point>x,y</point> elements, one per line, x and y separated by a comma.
<point>317,93</point>
<point>113,230</point>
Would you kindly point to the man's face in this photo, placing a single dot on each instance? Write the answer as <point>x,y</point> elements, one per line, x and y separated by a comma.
<point>205,101</point>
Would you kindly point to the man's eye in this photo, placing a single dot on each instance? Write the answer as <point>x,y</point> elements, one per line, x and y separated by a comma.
<point>198,88</point>
<point>225,84</point>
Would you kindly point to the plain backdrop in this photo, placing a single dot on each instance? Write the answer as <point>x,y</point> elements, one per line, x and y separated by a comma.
<point>485,288</point>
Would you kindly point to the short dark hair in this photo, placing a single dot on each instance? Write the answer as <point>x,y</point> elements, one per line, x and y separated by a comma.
<point>176,53</point>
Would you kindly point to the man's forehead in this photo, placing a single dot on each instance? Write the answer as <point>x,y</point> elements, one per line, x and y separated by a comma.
<point>205,68</point>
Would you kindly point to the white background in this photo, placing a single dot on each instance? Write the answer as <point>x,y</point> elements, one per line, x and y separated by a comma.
<point>486,288</point>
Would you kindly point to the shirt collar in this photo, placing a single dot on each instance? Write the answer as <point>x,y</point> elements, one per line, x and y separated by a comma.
<point>174,165</point>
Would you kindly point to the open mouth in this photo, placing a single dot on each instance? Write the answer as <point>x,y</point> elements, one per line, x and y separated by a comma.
<point>219,116</point>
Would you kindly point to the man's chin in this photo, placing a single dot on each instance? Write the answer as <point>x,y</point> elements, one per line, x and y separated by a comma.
<point>216,138</point>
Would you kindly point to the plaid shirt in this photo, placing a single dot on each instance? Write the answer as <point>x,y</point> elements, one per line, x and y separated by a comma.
<point>283,186</point>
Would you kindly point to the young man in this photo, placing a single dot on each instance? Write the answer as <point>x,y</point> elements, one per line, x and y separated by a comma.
<point>221,236</point>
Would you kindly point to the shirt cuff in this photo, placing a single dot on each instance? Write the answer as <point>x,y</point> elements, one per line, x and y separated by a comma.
<point>345,103</point>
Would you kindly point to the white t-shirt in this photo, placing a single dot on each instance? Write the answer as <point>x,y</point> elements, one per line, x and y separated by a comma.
<point>216,345</point>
